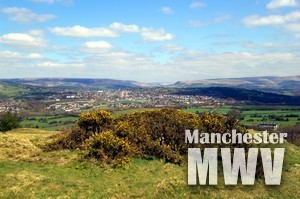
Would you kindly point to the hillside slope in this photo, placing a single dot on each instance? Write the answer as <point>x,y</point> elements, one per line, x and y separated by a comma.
<point>29,172</point>
<point>262,83</point>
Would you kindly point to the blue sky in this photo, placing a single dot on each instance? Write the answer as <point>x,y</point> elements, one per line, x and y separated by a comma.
<point>150,41</point>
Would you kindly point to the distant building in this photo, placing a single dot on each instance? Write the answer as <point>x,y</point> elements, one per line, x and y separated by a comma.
<point>268,125</point>
<point>122,94</point>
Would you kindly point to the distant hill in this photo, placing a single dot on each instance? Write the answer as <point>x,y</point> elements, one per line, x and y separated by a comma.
<point>240,94</point>
<point>262,83</point>
<point>77,83</point>
<point>291,83</point>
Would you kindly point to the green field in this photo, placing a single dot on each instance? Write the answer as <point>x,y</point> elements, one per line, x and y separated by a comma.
<point>263,115</point>
<point>51,123</point>
<point>29,172</point>
<point>199,110</point>
<point>128,111</point>
<point>255,114</point>
<point>9,91</point>
<point>58,122</point>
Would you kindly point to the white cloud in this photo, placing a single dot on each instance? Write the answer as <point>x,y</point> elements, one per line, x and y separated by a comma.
<point>50,64</point>
<point>53,1</point>
<point>256,20</point>
<point>22,40</point>
<point>197,4</point>
<point>16,55</point>
<point>148,34</point>
<point>166,10</point>
<point>294,28</point>
<point>275,4</point>
<point>24,15</point>
<point>35,56</point>
<point>113,30</point>
<point>97,47</point>
<point>234,64</point>
<point>124,28</point>
<point>80,31</point>
<point>171,48</point>
<point>12,62</point>
<point>151,35</point>
<point>98,44</point>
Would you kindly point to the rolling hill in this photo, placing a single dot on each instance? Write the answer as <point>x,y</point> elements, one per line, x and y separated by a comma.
<point>261,83</point>
<point>240,94</point>
<point>290,83</point>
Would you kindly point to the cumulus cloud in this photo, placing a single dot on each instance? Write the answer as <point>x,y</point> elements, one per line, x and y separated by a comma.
<point>235,64</point>
<point>80,31</point>
<point>166,10</point>
<point>50,64</point>
<point>275,4</point>
<point>97,47</point>
<point>255,20</point>
<point>23,40</point>
<point>98,44</point>
<point>15,55</point>
<point>24,15</point>
<point>197,4</point>
<point>151,35</point>
<point>294,28</point>
<point>113,30</point>
<point>124,28</point>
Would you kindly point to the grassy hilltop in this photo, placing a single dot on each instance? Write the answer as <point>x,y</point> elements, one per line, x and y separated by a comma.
<point>29,172</point>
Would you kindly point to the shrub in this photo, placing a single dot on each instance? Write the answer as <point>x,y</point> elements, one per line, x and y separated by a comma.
<point>69,139</point>
<point>95,121</point>
<point>9,121</point>
<point>109,148</point>
<point>156,133</point>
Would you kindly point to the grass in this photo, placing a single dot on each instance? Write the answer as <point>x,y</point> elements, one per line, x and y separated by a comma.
<point>29,172</point>
<point>265,113</point>
<point>199,110</point>
<point>247,114</point>
<point>50,123</point>
<point>55,123</point>
<point>8,91</point>
<point>128,111</point>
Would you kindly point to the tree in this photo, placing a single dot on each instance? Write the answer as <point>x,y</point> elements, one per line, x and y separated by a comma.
<point>235,114</point>
<point>293,133</point>
<point>9,121</point>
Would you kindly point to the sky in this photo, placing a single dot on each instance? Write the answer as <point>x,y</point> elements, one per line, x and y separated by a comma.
<point>149,41</point>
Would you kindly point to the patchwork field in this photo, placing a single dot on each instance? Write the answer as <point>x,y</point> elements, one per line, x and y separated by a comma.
<point>282,115</point>
<point>51,123</point>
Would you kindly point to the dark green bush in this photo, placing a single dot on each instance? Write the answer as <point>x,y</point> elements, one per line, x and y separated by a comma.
<point>69,139</point>
<point>9,121</point>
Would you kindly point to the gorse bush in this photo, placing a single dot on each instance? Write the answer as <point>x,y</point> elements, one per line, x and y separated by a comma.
<point>156,133</point>
<point>159,133</point>
<point>69,139</point>
<point>109,148</point>
<point>95,121</point>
